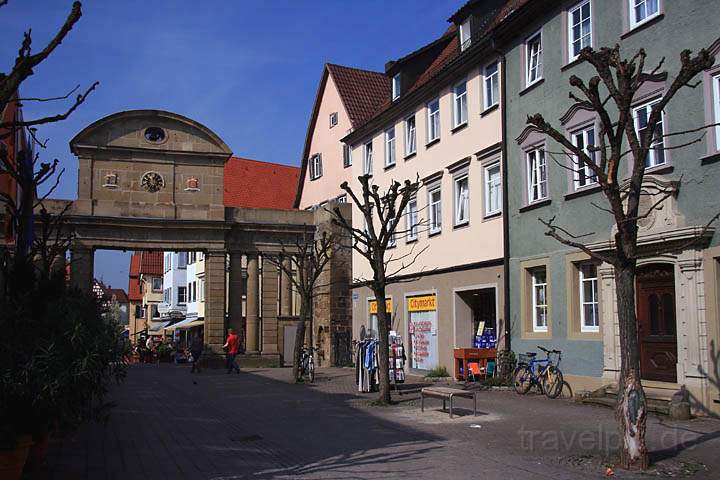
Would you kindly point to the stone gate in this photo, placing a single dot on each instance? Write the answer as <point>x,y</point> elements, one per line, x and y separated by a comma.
<point>153,180</point>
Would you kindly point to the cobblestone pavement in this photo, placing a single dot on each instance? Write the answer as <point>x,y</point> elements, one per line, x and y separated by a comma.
<point>169,424</point>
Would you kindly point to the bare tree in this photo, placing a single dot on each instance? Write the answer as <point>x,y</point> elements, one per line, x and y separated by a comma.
<point>381,214</point>
<point>310,256</point>
<point>38,236</point>
<point>610,95</point>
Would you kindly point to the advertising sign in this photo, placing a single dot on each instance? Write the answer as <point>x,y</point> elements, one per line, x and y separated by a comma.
<point>388,306</point>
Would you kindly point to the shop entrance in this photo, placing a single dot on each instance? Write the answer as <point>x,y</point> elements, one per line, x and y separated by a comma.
<point>476,318</point>
<point>656,322</point>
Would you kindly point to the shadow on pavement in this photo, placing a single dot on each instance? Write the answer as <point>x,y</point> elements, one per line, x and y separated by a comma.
<point>171,424</point>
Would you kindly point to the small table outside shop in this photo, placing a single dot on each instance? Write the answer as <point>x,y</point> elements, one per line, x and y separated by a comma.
<point>465,355</point>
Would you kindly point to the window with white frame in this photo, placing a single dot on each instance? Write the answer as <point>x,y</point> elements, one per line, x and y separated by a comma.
<point>396,87</point>
<point>315,166</point>
<point>333,119</point>
<point>201,290</point>
<point>460,113</point>
<point>656,152</point>
<point>347,155</point>
<point>368,159</point>
<point>182,294</point>
<point>716,108</point>
<point>493,189</point>
<point>536,175</point>
<point>462,200</point>
<point>390,147</point>
<point>579,29</point>
<point>157,284</point>
<point>410,137</point>
<point>393,236</point>
<point>589,313</point>
<point>465,35</point>
<point>433,109</point>
<point>533,59</point>
<point>342,198</point>
<point>643,10</point>
<point>411,220</point>
<point>492,90</point>
<point>182,259</point>
<point>435,207</point>
<point>583,175</point>
<point>540,300</point>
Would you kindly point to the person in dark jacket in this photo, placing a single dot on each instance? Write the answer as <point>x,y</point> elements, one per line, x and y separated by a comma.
<point>196,348</point>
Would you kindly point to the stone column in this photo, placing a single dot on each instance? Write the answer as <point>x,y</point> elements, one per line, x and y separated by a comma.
<point>235,293</point>
<point>269,308</point>
<point>215,300</point>
<point>252,306</point>
<point>82,261</point>
<point>286,288</point>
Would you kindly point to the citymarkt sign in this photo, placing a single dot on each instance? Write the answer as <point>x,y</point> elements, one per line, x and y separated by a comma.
<point>427,303</point>
<point>388,306</point>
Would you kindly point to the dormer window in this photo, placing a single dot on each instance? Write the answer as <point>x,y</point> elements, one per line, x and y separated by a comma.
<point>333,119</point>
<point>396,87</point>
<point>465,35</point>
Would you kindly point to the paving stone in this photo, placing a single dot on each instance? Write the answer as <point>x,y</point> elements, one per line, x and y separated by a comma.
<point>170,424</point>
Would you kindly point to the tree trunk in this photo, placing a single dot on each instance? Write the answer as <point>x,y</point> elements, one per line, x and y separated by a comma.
<point>299,338</point>
<point>383,333</point>
<point>631,407</point>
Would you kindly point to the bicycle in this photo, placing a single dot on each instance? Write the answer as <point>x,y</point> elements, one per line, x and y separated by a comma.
<point>549,378</point>
<point>307,364</point>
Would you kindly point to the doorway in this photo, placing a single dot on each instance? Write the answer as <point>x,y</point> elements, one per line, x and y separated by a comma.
<point>476,318</point>
<point>657,332</point>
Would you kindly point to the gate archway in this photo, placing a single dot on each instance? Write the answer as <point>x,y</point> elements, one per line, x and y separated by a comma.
<point>154,180</point>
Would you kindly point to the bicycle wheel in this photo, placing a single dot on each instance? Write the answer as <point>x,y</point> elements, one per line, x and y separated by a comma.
<point>311,370</point>
<point>522,379</point>
<point>552,382</point>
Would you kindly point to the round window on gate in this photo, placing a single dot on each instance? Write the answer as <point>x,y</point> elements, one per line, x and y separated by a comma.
<point>154,134</point>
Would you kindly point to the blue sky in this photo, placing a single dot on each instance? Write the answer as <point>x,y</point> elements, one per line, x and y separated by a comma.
<point>248,69</point>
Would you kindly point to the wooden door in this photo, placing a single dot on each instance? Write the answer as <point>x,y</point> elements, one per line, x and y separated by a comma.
<point>656,323</point>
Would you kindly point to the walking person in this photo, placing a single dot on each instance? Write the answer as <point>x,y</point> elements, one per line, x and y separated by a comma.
<point>149,345</point>
<point>196,348</point>
<point>232,344</point>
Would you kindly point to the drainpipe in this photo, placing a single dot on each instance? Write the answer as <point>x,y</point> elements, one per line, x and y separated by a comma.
<point>506,213</point>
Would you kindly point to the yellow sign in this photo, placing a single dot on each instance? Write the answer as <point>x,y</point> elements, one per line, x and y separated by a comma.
<point>426,303</point>
<point>373,306</point>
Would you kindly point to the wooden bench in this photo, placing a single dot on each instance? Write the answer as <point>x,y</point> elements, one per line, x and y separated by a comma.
<point>446,393</point>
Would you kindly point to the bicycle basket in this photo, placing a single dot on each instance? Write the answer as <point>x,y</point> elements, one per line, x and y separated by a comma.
<point>524,358</point>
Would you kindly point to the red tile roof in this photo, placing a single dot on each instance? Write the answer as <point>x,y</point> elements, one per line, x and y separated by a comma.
<point>247,182</point>
<point>361,91</point>
<point>119,294</point>
<point>447,55</point>
<point>134,293</point>
<point>151,263</point>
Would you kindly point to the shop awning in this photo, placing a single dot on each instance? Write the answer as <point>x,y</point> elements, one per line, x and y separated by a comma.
<point>157,326</point>
<point>187,323</point>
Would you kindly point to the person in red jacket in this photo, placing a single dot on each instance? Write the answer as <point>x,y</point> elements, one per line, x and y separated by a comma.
<point>232,344</point>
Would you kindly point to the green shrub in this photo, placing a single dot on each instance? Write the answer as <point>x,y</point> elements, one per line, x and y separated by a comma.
<point>58,357</point>
<point>438,372</point>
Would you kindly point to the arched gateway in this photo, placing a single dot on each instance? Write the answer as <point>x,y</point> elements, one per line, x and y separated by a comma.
<point>153,180</point>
